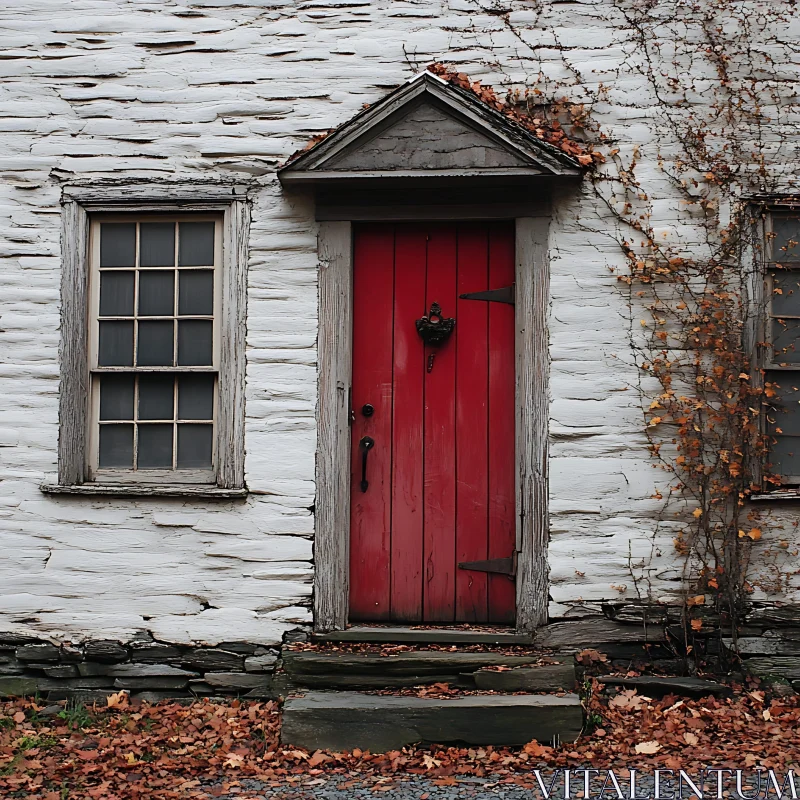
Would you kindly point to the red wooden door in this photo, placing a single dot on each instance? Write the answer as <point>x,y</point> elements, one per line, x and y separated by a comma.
<point>439,436</point>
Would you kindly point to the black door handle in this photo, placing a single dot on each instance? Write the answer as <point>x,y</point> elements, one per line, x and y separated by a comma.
<point>365,445</point>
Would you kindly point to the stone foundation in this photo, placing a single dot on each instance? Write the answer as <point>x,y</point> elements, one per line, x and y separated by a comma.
<point>144,667</point>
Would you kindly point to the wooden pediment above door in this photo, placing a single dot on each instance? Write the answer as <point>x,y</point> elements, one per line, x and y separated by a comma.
<point>428,128</point>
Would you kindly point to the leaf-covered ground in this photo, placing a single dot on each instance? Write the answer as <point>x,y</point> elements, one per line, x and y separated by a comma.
<point>215,750</point>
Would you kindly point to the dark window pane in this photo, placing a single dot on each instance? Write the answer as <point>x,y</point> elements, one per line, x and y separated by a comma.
<point>196,397</point>
<point>155,447</point>
<point>156,396</point>
<point>118,244</point>
<point>155,345</point>
<point>786,341</point>
<point>116,397</point>
<point>196,291</point>
<point>116,294</point>
<point>196,244</point>
<point>784,456</point>
<point>786,244</point>
<point>194,343</point>
<point>194,446</point>
<point>157,244</point>
<point>116,446</point>
<point>156,293</point>
<point>786,292</point>
<point>783,395</point>
<point>116,344</point>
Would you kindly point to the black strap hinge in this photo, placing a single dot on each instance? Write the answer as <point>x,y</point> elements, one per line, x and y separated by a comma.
<point>498,566</point>
<point>508,294</point>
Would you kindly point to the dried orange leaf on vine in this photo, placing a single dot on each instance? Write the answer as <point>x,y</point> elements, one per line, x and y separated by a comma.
<point>697,624</point>
<point>697,513</point>
<point>754,534</point>
<point>697,600</point>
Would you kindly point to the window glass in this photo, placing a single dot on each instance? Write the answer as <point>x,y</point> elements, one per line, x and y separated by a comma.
<point>155,447</point>
<point>156,397</point>
<point>195,342</point>
<point>116,446</point>
<point>116,397</point>
<point>196,397</point>
<point>156,293</point>
<point>154,322</point>
<point>115,346</point>
<point>117,244</point>
<point>157,244</point>
<point>116,294</point>
<point>196,294</point>
<point>196,247</point>
<point>786,239</point>
<point>194,446</point>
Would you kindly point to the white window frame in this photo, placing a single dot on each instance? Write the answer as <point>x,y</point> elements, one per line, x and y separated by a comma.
<point>77,401</point>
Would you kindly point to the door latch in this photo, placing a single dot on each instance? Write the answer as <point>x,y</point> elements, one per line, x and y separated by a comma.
<point>365,445</point>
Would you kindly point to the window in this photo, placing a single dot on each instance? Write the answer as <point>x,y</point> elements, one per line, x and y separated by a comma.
<point>154,356</point>
<point>782,360</point>
<point>152,352</point>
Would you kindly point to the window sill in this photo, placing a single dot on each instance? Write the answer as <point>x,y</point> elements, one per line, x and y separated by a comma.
<point>142,490</point>
<point>779,494</point>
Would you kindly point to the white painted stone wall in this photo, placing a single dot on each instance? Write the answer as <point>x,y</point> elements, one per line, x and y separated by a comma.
<point>205,90</point>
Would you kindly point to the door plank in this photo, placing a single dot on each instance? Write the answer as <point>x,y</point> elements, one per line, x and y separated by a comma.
<point>502,537</point>
<point>440,441</point>
<point>472,388</point>
<point>372,383</point>
<point>407,415</point>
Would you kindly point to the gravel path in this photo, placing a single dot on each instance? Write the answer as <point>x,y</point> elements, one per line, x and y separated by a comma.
<point>418,787</point>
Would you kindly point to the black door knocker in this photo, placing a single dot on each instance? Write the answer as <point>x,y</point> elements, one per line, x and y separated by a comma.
<point>434,328</point>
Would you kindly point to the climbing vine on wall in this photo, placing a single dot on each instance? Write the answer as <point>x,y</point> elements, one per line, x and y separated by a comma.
<point>687,204</point>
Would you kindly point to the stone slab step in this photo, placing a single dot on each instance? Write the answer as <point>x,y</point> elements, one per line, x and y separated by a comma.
<point>656,685</point>
<point>341,721</point>
<point>405,635</point>
<point>319,669</point>
<point>539,678</point>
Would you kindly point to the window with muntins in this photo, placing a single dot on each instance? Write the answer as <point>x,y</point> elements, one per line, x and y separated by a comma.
<point>154,348</point>
<point>782,361</point>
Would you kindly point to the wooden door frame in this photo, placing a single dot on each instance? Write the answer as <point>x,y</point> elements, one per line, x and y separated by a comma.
<point>334,354</point>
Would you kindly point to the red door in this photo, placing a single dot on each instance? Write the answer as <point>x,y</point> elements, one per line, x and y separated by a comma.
<point>433,431</point>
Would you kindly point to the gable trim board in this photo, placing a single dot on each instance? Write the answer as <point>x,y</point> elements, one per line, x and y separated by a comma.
<point>344,155</point>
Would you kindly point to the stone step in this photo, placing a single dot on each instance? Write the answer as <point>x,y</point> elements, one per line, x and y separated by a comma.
<point>319,669</point>
<point>341,721</point>
<point>410,635</point>
<point>539,678</point>
<point>658,686</point>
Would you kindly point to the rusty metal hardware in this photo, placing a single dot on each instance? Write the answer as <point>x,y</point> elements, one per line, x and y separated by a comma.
<point>508,294</point>
<point>433,327</point>
<point>498,566</point>
<point>365,445</point>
